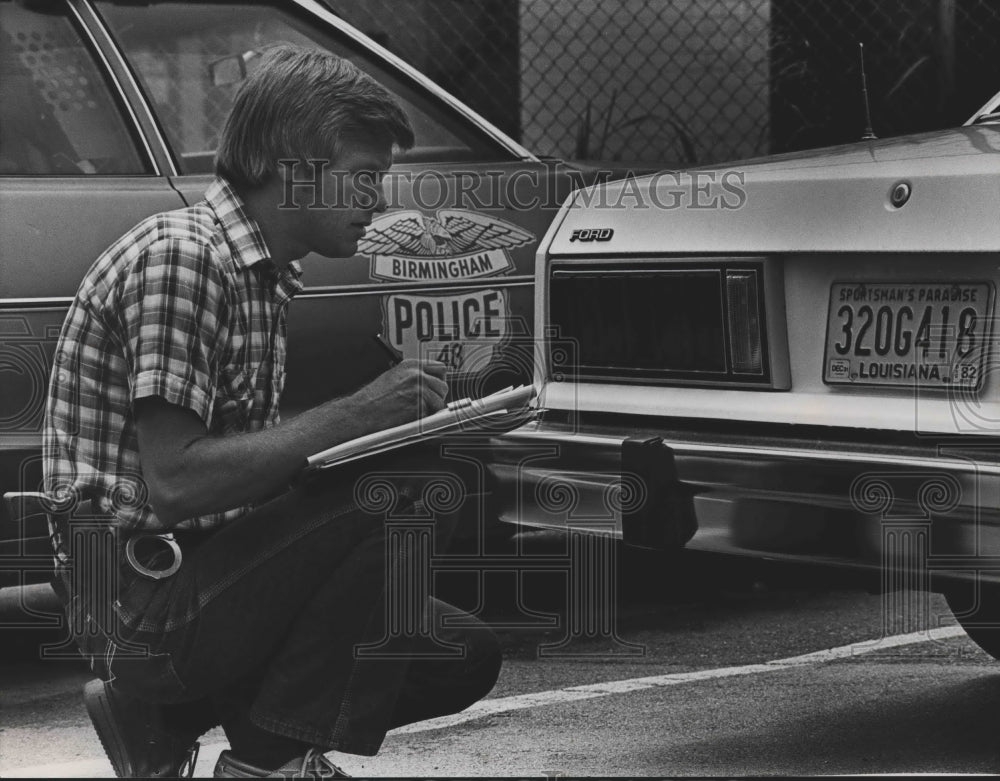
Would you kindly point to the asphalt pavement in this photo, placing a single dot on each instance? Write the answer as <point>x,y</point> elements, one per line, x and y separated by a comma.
<point>708,670</point>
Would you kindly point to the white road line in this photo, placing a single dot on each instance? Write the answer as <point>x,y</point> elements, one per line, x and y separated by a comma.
<point>592,690</point>
<point>206,760</point>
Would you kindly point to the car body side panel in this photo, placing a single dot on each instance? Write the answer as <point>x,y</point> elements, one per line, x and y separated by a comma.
<point>54,229</point>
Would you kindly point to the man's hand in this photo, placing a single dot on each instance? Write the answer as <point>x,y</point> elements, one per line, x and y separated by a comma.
<point>410,390</point>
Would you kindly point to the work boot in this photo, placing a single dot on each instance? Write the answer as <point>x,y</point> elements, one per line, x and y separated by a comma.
<point>134,736</point>
<point>312,765</point>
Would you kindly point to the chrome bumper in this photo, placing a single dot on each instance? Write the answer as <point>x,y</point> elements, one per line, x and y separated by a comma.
<point>911,510</point>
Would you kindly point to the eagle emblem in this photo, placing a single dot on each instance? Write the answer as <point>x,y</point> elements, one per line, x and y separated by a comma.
<point>450,232</point>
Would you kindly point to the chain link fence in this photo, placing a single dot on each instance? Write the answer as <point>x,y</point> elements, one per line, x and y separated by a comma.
<point>681,82</point>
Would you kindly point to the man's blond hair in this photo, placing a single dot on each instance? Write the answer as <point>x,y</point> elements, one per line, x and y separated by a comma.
<point>303,104</point>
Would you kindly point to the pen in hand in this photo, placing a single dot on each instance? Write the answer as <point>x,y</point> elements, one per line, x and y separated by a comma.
<point>394,359</point>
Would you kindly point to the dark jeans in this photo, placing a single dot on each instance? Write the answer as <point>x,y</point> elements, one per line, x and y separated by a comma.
<point>278,614</point>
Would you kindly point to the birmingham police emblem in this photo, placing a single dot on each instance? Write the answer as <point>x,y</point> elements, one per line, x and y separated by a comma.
<point>408,246</point>
<point>464,329</point>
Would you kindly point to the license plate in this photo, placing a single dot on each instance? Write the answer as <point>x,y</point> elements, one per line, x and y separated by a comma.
<point>927,335</point>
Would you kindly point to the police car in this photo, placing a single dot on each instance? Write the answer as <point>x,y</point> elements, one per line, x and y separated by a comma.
<point>795,358</point>
<point>111,111</point>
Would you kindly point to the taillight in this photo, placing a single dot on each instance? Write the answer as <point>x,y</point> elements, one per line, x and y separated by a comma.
<point>744,322</point>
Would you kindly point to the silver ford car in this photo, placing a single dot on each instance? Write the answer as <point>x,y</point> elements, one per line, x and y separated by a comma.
<point>793,358</point>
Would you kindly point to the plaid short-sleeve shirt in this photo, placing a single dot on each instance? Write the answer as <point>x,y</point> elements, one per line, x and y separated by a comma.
<point>186,306</point>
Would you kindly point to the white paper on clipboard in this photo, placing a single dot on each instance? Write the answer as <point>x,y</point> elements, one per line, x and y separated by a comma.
<point>482,414</point>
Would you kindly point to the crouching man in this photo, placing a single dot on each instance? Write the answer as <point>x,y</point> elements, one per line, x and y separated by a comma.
<point>162,417</point>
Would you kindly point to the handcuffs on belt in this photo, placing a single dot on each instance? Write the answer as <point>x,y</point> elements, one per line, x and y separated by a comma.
<point>153,574</point>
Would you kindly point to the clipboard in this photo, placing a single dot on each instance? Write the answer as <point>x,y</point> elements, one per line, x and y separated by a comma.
<point>500,411</point>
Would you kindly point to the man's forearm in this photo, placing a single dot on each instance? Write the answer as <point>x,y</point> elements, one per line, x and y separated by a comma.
<point>215,473</point>
<point>190,472</point>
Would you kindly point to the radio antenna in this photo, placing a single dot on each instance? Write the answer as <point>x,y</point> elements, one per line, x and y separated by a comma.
<point>869,134</point>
